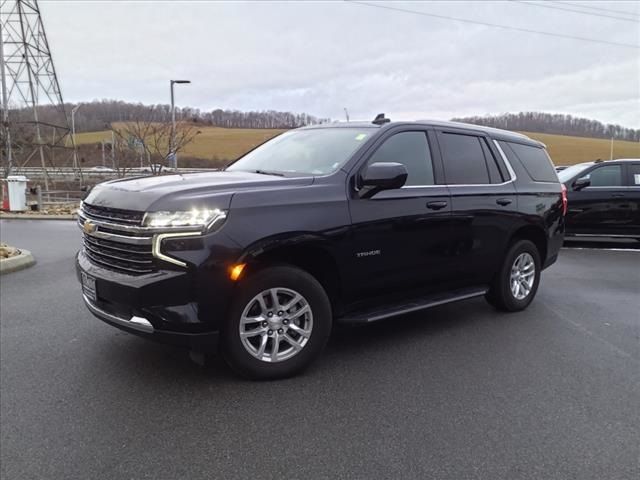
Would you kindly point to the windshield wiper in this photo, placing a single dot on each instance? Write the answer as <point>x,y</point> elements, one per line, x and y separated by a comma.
<point>267,172</point>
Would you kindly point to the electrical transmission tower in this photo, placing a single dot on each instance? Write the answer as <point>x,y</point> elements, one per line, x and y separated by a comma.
<point>35,127</point>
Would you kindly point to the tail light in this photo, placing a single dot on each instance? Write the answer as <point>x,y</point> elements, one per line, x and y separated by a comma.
<point>565,202</point>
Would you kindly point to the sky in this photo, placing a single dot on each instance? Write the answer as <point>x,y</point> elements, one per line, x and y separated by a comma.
<point>320,57</point>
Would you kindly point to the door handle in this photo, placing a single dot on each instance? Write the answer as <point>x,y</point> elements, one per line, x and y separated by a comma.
<point>504,201</point>
<point>436,205</point>
<point>617,195</point>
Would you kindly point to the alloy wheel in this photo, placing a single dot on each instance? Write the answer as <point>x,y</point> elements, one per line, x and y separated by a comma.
<point>276,324</point>
<point>523,274</point>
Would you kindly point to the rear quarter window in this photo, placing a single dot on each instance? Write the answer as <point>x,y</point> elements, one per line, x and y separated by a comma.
<point>634,174</point>
<point>534,160</point>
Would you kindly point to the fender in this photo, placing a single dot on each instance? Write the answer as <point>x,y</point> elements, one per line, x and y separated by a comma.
<point>328,241</point>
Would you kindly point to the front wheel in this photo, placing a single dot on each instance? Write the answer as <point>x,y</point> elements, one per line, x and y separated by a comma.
<point>515,285</point>
<point>279,322</point>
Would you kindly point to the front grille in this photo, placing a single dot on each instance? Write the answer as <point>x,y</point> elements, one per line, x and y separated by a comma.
<point>120,246</point>
<point>114,215</point>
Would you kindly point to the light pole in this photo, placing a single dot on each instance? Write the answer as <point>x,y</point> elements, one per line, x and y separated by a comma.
<point>611,151</point>
<point>172,141</point>
<point>73,135</point>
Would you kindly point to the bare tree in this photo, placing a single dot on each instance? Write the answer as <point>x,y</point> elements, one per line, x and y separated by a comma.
<point>125,156</point>
<point>149,140</point>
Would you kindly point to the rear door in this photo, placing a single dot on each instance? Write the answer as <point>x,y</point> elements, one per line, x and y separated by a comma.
<point>483,203</point>
<point>604,207</point>
<point>401,236</point>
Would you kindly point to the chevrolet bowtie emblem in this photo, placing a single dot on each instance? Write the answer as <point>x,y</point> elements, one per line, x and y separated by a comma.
<point>89,227</point>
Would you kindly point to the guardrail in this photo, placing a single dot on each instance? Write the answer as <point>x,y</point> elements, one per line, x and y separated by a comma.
<point>58,196</point>
<point>67,171</point>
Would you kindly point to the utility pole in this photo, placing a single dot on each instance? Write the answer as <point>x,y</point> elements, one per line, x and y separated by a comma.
<point>113,149</point>
<point>5,106</point>
<point>346,113</point>
<point>73,136</point>
<point>29,81</point>
<point>173,156</point>
<point>34,94</point>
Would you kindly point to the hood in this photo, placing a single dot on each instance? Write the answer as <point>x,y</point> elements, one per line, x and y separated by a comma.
<point>184,191</point>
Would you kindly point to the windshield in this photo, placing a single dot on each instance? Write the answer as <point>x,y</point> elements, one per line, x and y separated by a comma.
<point>308,152</point>
<point>570,172</point>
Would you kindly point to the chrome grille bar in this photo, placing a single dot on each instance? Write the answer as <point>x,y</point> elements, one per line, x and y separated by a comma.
<point>102,253</point>
<point>116,239</point>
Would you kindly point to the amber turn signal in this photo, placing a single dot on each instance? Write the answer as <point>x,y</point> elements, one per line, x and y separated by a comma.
<point>236,270</point>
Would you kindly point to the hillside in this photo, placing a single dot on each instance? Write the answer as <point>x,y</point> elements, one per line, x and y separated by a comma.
<point>222,144</point>
<point>212,143</point>
<point>566,150</point>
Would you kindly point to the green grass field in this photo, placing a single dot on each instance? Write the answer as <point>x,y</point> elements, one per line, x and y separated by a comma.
<point>217,144</point>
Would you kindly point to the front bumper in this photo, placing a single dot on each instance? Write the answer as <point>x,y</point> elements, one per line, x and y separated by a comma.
<point>162,306</point>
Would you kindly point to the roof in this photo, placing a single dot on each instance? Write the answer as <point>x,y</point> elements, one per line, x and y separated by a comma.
<point>495,133</point>
<point>623,160</point>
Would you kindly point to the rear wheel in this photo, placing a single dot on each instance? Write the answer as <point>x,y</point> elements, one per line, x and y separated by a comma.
<point>516,284</point>
<point>278,324</point>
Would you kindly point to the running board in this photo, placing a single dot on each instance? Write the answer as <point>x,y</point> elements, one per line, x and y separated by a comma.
<point>423,303</point>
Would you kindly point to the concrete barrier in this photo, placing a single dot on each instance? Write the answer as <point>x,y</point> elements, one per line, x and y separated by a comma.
<point>19,262</point>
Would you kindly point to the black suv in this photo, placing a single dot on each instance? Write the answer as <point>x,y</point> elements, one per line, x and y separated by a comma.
<point>350,222</point>
<point>604,198</point>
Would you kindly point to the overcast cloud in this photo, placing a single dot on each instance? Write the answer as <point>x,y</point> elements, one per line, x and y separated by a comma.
<point>319,57</point>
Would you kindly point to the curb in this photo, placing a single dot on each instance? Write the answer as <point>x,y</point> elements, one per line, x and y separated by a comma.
<point>20,262</point>
<point>18,216</point>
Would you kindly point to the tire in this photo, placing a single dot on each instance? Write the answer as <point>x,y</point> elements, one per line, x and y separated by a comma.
<point>501,294</point>
<point>251,355</point>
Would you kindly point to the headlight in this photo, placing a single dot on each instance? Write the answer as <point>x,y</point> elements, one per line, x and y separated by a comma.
<point>202,217</point>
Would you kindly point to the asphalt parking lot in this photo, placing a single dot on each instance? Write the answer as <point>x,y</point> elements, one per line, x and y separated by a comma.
<point>458,392</point>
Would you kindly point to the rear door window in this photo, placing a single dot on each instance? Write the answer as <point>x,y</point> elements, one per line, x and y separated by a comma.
<point>412,150</point>
<point>634,174</point>
<point>535,161</point>
<point>492,166</point>
<point>464,159</point>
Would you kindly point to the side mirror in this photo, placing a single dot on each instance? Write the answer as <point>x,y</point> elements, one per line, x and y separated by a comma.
<point>382,176</point>
<point>581,183</point>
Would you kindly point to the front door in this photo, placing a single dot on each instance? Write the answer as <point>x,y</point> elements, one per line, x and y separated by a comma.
<point>401,236</point>
<point>633,195</point>
<point>602,208</point>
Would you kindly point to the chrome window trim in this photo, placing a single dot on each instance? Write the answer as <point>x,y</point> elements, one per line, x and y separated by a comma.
<point>512,175</point>
<point>506,161</point>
